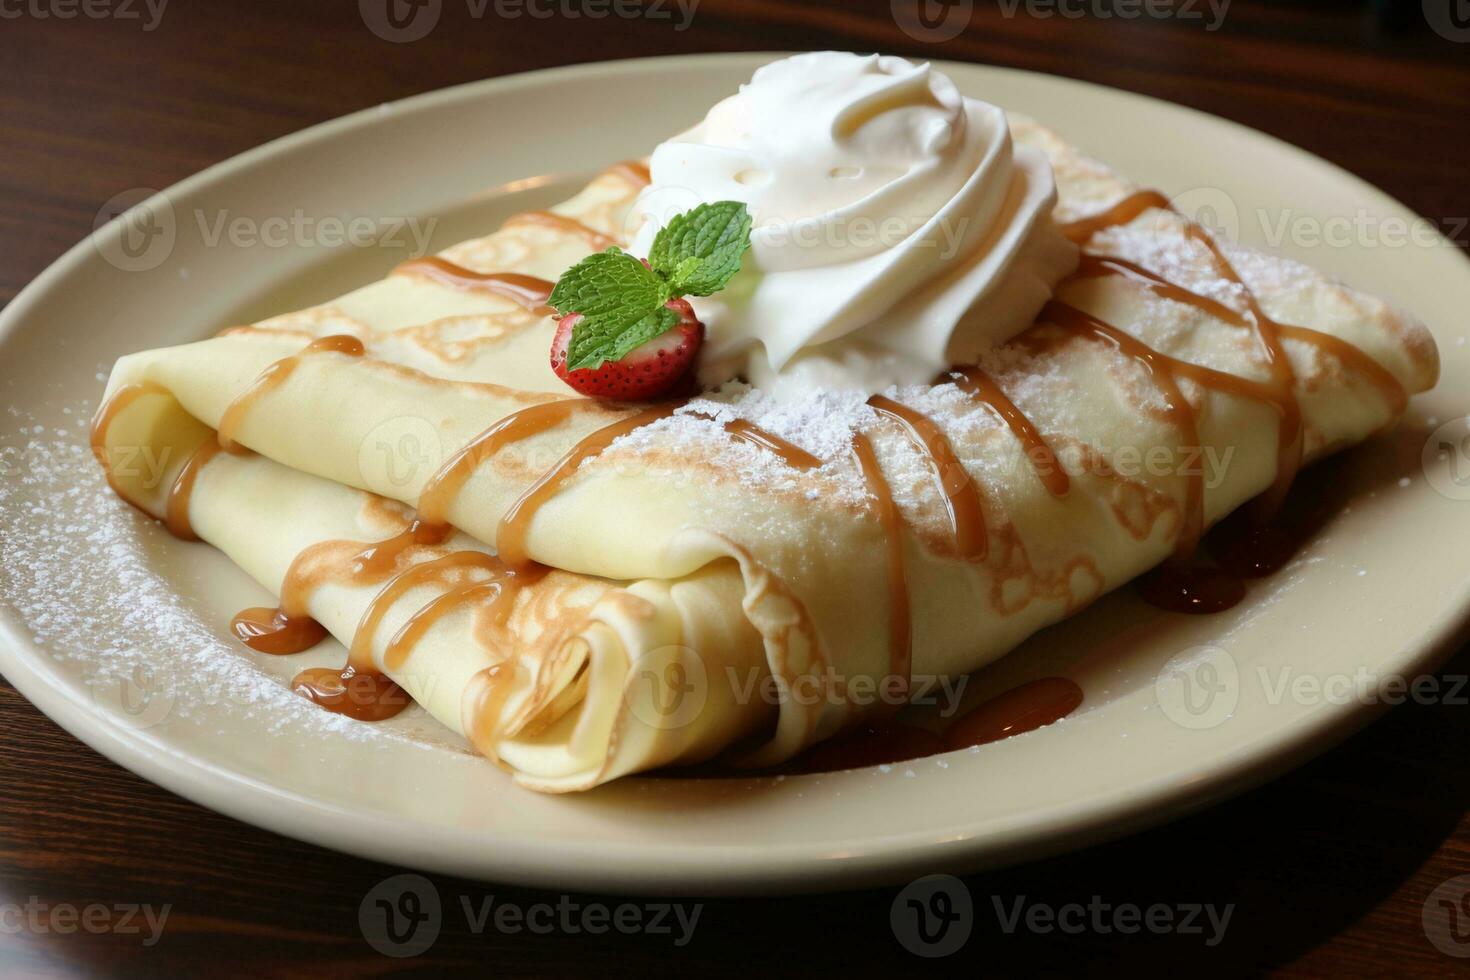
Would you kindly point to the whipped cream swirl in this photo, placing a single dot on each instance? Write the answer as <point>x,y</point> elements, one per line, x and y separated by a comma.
<point>896,229</point>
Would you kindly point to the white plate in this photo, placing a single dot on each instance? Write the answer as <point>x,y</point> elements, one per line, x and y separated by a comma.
<point>119,633</point>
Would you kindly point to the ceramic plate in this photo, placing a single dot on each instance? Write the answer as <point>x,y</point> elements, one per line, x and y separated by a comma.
<point>119,632</point>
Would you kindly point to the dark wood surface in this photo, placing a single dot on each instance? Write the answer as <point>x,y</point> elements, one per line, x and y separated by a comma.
<point>1328,869</point>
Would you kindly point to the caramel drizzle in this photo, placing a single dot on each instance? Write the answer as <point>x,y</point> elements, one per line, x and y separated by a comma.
<point>900,636</point>
<point>367,696</point>
<point>272,378</point>
<point>1044,461</point>
<point>176,508</point>
<point>510,535</point>
<point>1121,213</point>
<point>1095,266</point>
<point>363,691</point>
<point>1267,331</point>
<point>1165,372</point>
<point>961,498</point>
<point>360,654</point>
<point>176,517</point>
<point>362,563</point>
<point>1021,709</point>
<point>560,222</point>
<point>743,430</point>
<point>332,688</point>
<point>358,689</point>
<point>529,292</point>
<point>269,630</point>
<point>1280,393</point>
<point>481,709</point>
<point>493,595</point>
<point>109,410</point>
<point>445,484</point>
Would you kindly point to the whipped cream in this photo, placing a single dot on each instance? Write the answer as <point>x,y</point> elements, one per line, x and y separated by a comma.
<point>896,229</point>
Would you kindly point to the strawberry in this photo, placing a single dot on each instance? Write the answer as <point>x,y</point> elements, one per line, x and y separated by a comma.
<point>652,369</point>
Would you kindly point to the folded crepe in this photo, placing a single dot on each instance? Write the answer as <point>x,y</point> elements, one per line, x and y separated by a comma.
<point>639,576</point>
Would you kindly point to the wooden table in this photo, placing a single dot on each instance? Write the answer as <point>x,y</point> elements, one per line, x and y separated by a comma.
<point>1327,869</point>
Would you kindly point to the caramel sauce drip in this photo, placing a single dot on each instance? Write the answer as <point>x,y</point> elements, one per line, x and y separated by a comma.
<point>289,628</point>
<point>177,504</point>
<point>1043,460</point>
<point>182,491</point>
<point>269,630</point>
<point>360,655</point>
<point>360,696</point>
<point>1192,587</point>
<point>1121,213</point>
<point>486,695</point>
<point>745,431</point>
<point>560,222</point>
<point>356,690</point>
<point>530,292</point>
<point>272,378</point>
<point>1021,709</point>
<point>878,744</point>
<point>493,594</point>
<point>900,639</point>
<point>102,421</point>
<point>792,455</point>
<point>444,485</point>
<point>377,560</point>
<point>510,536</point>
<point>961,498</point>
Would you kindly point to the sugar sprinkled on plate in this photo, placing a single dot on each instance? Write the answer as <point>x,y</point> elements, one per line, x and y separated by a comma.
<point>82,572</point>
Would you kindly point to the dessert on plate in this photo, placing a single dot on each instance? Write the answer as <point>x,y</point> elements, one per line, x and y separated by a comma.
<point>851,387</point>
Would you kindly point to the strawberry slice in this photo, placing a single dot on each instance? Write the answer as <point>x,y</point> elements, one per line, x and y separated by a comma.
<point>655,368</point>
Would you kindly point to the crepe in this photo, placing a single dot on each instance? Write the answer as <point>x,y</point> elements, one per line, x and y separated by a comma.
<point>697,569</point>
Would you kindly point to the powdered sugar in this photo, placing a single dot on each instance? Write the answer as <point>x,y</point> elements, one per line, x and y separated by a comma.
<point>822,424</point>
<point>106,594</point>
<point>1166,252</point>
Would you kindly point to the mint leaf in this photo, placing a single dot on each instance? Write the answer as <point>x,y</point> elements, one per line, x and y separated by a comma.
<point>610,338</point>
<point>622,305</point>
<point>621,300</point>
<point>699,251</point>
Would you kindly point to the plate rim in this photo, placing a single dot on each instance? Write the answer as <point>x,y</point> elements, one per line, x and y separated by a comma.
<point>719,869</point>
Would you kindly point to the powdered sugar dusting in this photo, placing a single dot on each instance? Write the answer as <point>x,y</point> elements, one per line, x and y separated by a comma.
<point>83,572</point>
<point>1168,253</point>
<point>822,424</point>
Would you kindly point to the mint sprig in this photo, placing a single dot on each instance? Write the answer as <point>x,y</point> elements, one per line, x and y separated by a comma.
<point>622,301</point>
<point>699,251</point>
